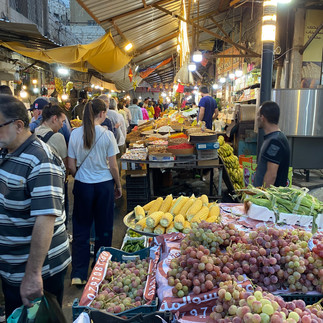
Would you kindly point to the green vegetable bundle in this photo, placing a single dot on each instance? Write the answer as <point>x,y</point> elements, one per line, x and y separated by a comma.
<point>285,200</point>
<point>133,245</point>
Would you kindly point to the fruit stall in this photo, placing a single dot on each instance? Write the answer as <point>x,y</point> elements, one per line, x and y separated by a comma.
<point>188,259</point>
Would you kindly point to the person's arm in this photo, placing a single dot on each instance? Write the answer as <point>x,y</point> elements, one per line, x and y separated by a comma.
<point>215,114</point>
<point>115,174</point>
<point>32,284</point>
<point>271,174</point>
<point>141,117</point>
<point>71,164</point>
<point>201,113</point>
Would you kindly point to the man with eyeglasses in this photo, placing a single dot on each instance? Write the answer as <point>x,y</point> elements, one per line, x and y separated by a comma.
<point>34,247</point>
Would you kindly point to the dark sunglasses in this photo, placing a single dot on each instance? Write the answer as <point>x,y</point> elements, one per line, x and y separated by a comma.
<point>8,122</point>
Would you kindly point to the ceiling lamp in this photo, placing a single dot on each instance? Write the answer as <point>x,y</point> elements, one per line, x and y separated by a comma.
<point>64,97</point>
<point>232,76</point>
<point>197,56</point>
<point>63,71</point>
<point>23,94</point>
<point>238,73</point>
<point>192,67</point>
<point>222,79</point>
<point>128,47</point>
<point>215,86</point>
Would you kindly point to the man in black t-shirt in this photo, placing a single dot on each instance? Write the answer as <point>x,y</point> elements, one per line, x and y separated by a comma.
<point>273,160</point>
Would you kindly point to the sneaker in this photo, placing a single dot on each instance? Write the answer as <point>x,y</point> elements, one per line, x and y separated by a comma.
<point>78,281</point>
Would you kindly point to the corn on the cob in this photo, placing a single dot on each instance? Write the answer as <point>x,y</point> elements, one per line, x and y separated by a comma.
<point>173,203</point>
<point>212,219</point>
<point>159,229</point>
<point>140,225</point>
<point>179,221</point>
<point>147,206</point>
<point>171,228</point>
<point>166,203</point>
<point>186,206</point>
<point>204,199</point>
<point>214,211</point>
<point>178,205</point>
<point>148,230</point>
<point>155,207</point>
<point>139,212</point>
<point>166,219</point>
<point>187,227</point>
<point>197,205</point>
<point>201,215</point>
<point>153,219</point>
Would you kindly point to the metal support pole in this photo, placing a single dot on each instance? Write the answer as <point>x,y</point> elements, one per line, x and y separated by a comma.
<point>267,60</point>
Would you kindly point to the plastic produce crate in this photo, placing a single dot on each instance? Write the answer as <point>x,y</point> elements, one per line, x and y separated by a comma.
<point>309,299</point>
<point>154,317</point>
<point>118,255</point>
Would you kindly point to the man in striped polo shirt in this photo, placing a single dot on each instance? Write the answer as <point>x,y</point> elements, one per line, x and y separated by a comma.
<point>34,247</point>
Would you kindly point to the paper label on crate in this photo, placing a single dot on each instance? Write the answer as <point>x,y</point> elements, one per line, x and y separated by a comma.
<point>98,273</point>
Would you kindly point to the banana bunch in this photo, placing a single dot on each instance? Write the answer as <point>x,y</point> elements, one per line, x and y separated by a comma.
<point>59,85</point>
<point>231,163</point>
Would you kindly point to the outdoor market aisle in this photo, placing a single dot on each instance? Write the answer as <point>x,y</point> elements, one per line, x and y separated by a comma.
<point>72,292</point>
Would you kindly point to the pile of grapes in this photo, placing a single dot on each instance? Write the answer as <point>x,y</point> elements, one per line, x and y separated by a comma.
<point>236,305</point>
<point>271,258</point>
<point>123,287</point>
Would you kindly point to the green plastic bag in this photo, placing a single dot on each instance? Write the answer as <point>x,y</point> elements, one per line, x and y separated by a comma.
<point>44,310</point>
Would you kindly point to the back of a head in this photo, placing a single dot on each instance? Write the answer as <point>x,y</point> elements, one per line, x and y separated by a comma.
<point>13,109</point>
<point>135,101</point>
<point>113,104</point>
<point>105,99</point>
<point>271,111</point>
<point>120,106</point>
<point>91,111</point>
<point>5,89</point>
<point>204,89</point>
<point>140,104</point>
<point>51,110</point>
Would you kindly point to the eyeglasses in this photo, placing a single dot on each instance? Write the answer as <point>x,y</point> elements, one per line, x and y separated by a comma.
<point>8,122</point>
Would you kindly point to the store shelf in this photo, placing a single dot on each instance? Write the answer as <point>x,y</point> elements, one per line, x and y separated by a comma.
<point>253,86</point>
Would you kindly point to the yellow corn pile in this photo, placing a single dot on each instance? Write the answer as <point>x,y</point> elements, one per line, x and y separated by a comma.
<point>175,215</point>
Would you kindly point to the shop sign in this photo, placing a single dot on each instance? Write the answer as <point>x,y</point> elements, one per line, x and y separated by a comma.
<point>227,64</point>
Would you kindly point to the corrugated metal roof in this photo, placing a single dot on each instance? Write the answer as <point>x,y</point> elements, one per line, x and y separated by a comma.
<point>27,34</point>
<point>143,26</point>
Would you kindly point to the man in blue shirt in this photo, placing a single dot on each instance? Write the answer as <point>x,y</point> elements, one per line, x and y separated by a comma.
<point>136,113</point>
<point>37,108</point>
<point>208,108</point>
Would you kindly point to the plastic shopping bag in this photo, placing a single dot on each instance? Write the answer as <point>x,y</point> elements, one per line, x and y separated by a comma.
<point>44,310</point>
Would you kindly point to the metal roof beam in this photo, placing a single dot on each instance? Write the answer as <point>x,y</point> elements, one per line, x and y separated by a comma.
<point>132,11</point>
<point>146,58</point>
<point>82,4</point>
<point>155,44</point>
<point>189,21</point>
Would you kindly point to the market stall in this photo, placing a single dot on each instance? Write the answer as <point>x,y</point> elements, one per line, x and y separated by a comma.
<point>211,262</point>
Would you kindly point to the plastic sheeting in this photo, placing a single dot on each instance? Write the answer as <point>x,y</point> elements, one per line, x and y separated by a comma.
<point>102,55</point>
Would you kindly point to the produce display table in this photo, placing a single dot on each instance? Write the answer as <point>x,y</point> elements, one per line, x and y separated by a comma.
<point>183,163</point>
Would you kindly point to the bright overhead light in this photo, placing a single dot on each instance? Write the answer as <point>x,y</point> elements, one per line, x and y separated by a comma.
<point>140,98</point>
<point>284,1</point>
<point>101,88</point>
<point>23,94</point>
<point>128,47</point>
<point>163,94</point>
<point>238,73</point>
<point>268,33</point>
<point>112,91</point>
<point>34,81</point>
<point>64,97</point>
<point>197,56</point>
<point>97,87</point>
<point>109,95</point>
<point>136,69</point>
<point>36,90</point>
<point>92,85</point>
<point>192,67</point>
<point>215,86</point>
<point>24,87</point>
<point>63,71</point>
<point>222,79</point>
<point>232,76</point>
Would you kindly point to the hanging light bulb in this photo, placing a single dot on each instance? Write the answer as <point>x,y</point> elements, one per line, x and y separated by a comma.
<point>64,97</point>
<point>238,73</point>
<point>23,94</point>
<point>222,79</point>
<point>192,67</point>
<point>232,76</point>
<point>197,56</point>
<point>215,86</point>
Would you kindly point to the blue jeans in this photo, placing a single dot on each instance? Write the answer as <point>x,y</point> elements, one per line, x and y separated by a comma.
<point>92,202</point>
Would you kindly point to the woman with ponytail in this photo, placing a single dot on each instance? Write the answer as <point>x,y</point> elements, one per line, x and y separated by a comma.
<point>92,161</point>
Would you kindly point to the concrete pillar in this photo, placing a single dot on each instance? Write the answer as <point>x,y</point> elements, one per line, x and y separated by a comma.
<point>298,42</point>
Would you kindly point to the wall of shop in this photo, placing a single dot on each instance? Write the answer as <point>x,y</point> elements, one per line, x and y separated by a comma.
<point>86,34</point>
